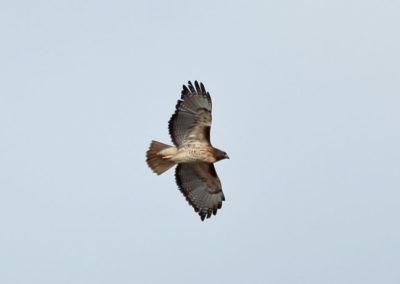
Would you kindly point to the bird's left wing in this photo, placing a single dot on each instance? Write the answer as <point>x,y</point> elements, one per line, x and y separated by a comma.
<point>201,186</point>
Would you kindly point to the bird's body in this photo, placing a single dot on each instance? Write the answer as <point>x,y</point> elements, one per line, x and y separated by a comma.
<point>194,152</point>
<point>195,174</point>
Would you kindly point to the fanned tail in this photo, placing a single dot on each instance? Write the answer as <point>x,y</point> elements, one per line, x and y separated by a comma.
<point>157,161</point>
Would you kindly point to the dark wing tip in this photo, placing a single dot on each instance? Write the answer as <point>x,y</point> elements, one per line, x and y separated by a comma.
<point>185,91</point>
<point>191,88</point>
<point>196,84</point>
<point>197,87</point>
<point>203,89</point>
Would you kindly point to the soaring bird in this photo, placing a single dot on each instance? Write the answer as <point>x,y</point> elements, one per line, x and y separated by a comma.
<point>189,128</point>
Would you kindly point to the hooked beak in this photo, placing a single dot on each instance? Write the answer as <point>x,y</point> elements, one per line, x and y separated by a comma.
<point>226,156</point>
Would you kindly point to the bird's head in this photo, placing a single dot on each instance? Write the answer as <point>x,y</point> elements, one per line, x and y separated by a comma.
<point>220,155</point>
<point>226,156</point>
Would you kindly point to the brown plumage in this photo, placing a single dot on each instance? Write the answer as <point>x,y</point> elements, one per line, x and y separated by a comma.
<point>189,128</point>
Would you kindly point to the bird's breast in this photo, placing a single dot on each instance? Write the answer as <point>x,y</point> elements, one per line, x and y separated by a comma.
<point>194,152</point>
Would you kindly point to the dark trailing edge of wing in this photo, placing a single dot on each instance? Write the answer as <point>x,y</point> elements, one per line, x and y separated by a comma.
<point>171,123</point>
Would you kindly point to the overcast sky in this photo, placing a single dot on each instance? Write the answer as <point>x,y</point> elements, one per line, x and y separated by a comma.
<point>306,98</point>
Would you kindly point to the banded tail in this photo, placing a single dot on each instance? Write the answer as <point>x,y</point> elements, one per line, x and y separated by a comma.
<point>158,157</point>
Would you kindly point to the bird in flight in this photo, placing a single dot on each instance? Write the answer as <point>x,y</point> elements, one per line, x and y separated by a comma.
<point>189,128</point>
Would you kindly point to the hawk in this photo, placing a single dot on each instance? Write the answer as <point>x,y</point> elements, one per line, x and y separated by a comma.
<point>189,128</point>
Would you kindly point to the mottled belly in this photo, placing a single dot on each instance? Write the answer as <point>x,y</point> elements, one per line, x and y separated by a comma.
<point>194,153</point>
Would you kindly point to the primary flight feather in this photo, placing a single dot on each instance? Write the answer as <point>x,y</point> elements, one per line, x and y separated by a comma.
<point>189,128</point>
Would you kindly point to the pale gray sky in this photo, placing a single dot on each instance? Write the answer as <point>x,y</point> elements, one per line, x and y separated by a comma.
<point>306,103</point>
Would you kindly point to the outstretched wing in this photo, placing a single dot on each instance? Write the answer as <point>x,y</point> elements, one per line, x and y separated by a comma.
<point>201,186</point>
<point>192,118</point>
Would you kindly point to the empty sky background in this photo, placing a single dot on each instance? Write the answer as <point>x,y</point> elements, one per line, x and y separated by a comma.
<point>306,101</point>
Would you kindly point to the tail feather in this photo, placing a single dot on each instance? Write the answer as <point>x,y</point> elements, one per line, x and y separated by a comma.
<point>157,161</point>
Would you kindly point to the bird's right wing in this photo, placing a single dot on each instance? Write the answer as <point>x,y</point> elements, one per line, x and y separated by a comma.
<point>191,121</point>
